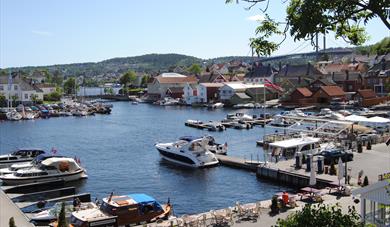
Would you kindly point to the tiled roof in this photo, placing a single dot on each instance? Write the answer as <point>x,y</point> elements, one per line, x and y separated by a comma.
<point>333,90</point>
<point>304,91</point>
<point>212,84</point>
<point>260,71</point>
<point>366,93</point>
<point>24,85</point>
<point>172,80</point>
<point>299,70</point>
<point>209,77</point>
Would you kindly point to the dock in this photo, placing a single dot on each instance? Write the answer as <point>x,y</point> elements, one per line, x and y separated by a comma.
<point>9,209</point>
<point>237,162</point>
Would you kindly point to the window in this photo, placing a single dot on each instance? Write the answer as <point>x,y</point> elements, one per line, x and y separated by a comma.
<point>25,96</point>
<point>15,87</point>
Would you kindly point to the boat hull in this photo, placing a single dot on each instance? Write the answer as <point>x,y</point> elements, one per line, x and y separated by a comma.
<point>184,161</point>
<point>27,180</point>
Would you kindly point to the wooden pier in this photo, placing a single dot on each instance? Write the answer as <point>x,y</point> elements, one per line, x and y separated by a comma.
<point>236,162</point>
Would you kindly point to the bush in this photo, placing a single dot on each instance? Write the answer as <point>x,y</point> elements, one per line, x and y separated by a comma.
<point>54,96</point>
<point>274,205</point>
<point>11,222</point>
<point>365,181</point>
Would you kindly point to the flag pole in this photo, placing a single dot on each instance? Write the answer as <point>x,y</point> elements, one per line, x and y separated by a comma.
<point>264,97</point>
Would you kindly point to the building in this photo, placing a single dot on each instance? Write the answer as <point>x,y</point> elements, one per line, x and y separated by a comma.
<point>375,203</point>
<point>239,98</point>
<point>378,77</point>
<point>299,97</point>
<point>158,86</point>
<point>348,76</point>
<point>20,90</point>
<point>292,76</point>
<point>315,85</point>
<point>259,72</point>
<point>367,97</point>
<point>219,68</point>
<point>190,94</point>
<point>212,78</point>
<point>327,94</point>
<point>46,88</point>
<point>208,92</point>
<point>228,90</point>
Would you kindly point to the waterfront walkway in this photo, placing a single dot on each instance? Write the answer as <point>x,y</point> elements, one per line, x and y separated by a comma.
<point>8,209</point>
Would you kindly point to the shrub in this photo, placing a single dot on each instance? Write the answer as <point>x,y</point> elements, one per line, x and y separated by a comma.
<point>11,222</point>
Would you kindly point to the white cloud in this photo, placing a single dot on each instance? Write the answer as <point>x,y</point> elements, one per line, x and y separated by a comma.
<point>42,33</point>
<point>257,17</point>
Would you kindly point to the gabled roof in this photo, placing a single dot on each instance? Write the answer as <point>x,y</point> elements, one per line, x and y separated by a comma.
<point>366,93</point>
<point>304,91</point>
<point>333,90</point>
<point>24,85</point>
<point>260,71</point>
<point>299,70</point>
<point>210,78</point>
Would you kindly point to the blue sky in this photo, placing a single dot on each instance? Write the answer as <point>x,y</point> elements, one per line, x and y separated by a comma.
<point>45,32</point>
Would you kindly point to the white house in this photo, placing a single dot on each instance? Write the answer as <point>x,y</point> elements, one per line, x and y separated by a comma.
<point>258,73</point>
<point>158,88</point>
<point>208,91</point>
<point>231,88</point>
<point>46,88</point>
<point>375,202</point>
<point>19,90</point>
<point>190,94</point>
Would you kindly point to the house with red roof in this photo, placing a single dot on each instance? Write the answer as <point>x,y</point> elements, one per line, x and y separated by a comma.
<point>327,94</point>
<point>168,84</point>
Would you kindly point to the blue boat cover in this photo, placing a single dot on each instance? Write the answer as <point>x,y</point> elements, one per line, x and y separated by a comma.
<point>142,198</point>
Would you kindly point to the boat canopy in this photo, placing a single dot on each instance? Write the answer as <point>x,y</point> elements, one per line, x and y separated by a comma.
<point>62,164</point>
<point>189,138</point>
<point>356,118</point>
<point>295,142</point>
<point>142,198</point>
<point>378,120</point>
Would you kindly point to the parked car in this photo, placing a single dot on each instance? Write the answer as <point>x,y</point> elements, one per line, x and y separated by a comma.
<point>333,155</point>
<point>367,137</point>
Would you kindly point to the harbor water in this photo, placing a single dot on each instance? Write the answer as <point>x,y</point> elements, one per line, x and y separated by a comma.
<point>118,152</point>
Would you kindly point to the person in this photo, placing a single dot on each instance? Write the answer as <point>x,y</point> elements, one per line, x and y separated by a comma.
<point>76,203</point>
<point>285,197</point>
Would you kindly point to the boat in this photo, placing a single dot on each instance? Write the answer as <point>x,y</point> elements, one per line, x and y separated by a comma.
<point>58,168</point>
<point>134,103</point>
<point>217,105</point>
<point>13,116</point>
<point>212,145</point>
<point>239,124</point>
<point>20,155</point>
<point>49,215</point>
<point>190,153</point>
<point>238,116</point>
<point>25,165</point>
<point>214,126</point>
<point>288,148</point>
<point>279,121</point>
<point>122,210</point>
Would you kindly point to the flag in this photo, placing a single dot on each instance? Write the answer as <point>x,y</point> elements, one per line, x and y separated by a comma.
<point>269,84</point>
<point>53,150</point>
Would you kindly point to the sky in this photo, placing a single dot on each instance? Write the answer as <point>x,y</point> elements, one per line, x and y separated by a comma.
<point>46,32</point>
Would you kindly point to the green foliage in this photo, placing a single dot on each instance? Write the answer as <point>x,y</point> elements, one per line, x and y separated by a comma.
<point>322,215</point>
<point>70,86</point>
<point>381,47</point>
<point>58,79</point>
<point>53,96</point>
<point>365,181</point>
<point>195,69</point>
<point>274,205</point>
<point>145,80</point>
<point>108,90</point>
<point>3,100</point>
<point>11,222</point>
<point>62,217</point>
<point>306,18</point>
<point>128,77</point>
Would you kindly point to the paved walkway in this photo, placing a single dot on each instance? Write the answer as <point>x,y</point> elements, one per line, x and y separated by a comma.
<point>8,209</point>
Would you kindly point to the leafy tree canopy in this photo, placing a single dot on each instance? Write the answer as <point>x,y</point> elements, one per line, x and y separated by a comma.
<point>128,77</point>
<point>70,86</point>
<point>306,18</point>
<point>321,215</point>
<point>195,69</point>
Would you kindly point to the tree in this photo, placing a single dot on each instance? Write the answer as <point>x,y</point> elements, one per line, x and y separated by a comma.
<point>145,80</point>
<point>306,18</point>
<point>61,217</point>
<point>70,86</point>
<point>11,222</point>
<point>58,79</point>
<point>128,77</point>
<point>321,215</point>
<point>195,69</point>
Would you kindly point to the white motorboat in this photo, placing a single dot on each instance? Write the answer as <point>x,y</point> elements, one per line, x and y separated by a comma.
<point>61,168</point>
<point>288,148</point>
<point>212,145</point>
<point>217,105</point>
<point>296,113</point>
<point>21,155</point>
<point>51,214</point>
<point>190,153</point>
<point>279,121</point>
<point>239,116</point>
<point>25,165</point>
<point>13,116</point>
<point>239,124</point>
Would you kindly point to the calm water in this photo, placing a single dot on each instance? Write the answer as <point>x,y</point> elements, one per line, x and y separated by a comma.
<point>119,155</point>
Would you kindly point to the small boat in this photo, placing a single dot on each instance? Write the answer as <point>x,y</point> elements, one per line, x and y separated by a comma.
<point>122,210</point>
<point>134,103</point>
<point>279,121</point>
<point>238,116</point>
<point>191,153</point>
<point>29,116</point>
<point>241,125</point>
<point>217,105</point>
<point>51,214</point>
<point>214,126</point>
<point>58,168</point>
<point>21,155</point>
<point>14,116</point>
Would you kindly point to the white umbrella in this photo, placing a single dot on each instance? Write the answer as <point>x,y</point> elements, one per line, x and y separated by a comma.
<point>340,170</point>
<point>313,180</point>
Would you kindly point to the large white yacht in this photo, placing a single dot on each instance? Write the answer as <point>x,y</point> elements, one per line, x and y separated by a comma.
<point>192,153</point>
<point>21,155</point>
<point>57,168</point>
